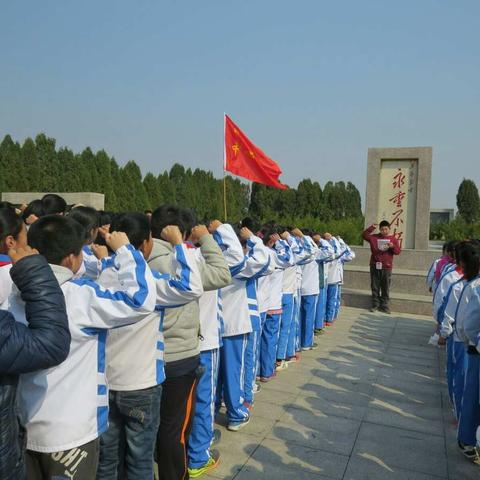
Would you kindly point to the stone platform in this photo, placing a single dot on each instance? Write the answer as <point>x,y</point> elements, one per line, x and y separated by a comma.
<point>409,293</point>
<point>369,404</point>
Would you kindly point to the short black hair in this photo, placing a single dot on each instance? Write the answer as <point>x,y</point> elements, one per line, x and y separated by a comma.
<point>167,215</point>
<point>470,257</point>
<point>53,204</point>
<point>88,218</point>
<point>135,225</point>
<point>5,204</point>
<point>252,224</point>
<point>189,219</point>
<point>56,237</point>
<point>35,207</point>
<point>10,223</point>
<point>384,223</point>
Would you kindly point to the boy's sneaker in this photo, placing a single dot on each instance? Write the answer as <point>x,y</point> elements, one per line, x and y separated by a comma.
<point>236,426</point>
<point>217,436</point>
<point>313,347</point>
<point>256,388</point>
<point>291,359</point>
<point>470,453</point>
<point>281,365</point>
<point>212,463</point>
<point>265,379</point>
<point>374,309</point>
<point>385,310</point>
<point>328,324</point>
<point>319,331</point>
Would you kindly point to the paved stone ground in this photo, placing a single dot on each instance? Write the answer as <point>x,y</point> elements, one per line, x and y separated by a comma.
<point>368,404</point>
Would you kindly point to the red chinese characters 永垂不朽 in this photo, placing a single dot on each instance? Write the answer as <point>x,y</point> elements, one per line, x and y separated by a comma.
<point>398,182</point>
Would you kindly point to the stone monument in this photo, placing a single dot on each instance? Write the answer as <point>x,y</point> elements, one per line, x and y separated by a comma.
<point>398,190</point>
<point>89,199</point>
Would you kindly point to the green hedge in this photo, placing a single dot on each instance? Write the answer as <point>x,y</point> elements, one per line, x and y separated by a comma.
<point>457,229</point>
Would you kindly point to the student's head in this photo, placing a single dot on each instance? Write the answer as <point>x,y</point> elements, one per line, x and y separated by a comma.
<point>59,239</point>
<point>167,215</point>
<point>88,218</point>
<point>189,219</point>
<point>266,233</point>
<point>384,228</point>
<point>137,228</point>
<point>450,249</point>
<point>327,236</point>
<point>316,237</point>
<point>53,204</point>
<point>469,256</point>
<point>33,211</point>
<point>13,233</point>
<point>253,225</point>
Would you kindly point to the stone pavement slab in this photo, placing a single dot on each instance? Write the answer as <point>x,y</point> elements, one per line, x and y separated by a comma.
<point>369,404</point>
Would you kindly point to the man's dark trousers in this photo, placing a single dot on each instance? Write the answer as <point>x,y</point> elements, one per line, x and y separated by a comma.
<point>380,283</point>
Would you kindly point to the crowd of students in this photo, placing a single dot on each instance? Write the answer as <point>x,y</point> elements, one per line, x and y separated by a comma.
<point>123,335</point>
<point>454,282</point>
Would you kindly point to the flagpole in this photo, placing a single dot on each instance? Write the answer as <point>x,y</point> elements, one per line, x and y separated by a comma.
<point>224,173</point>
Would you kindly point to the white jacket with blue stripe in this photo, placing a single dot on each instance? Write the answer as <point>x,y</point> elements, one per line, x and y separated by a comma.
<point>67,406</point>
<point>127,368</point>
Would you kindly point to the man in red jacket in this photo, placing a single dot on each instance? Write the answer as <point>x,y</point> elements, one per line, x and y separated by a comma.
<point>383,246</point>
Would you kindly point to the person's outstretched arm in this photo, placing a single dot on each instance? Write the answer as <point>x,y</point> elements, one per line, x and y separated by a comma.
<point>45,342</point>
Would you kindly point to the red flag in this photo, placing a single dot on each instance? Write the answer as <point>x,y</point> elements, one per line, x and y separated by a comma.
<point>246,160</point>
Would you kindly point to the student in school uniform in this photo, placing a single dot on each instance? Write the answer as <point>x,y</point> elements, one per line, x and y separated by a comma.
<point>135,380</point>
<point>324,255</point>
<point>291,286</point>
<point>467,324</point>
<point>309,290</point>
<point>93,261</point>
<point>65,409</point>
<point>280,257</point>
<point>181,328</point>
<point>201,458</point>
<point>333,280</point>
<point>346,255</point>
<point>455,364</point>
<point>19,347</point>
<point>239,304</point>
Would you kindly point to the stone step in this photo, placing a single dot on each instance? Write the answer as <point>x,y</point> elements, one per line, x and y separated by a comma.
<point>401,303</point>
<point>407,260</point>
<point>403,281</point>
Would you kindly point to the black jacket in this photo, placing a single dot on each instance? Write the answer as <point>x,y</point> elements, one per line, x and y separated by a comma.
<point>43,344</point>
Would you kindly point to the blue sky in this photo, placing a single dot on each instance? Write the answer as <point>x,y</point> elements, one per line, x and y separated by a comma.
<point>313,83</point>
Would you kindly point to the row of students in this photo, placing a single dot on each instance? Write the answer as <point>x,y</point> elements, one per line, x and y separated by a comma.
<point>455,284</point>
<point>163,332</point>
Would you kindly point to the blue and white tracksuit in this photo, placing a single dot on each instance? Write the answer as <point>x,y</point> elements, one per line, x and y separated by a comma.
<point>240,308</point>
<point>309,290</point>
<point>47,398</point>
<point>274,329</point>
<point>325,253</point>
<point>467,324</point>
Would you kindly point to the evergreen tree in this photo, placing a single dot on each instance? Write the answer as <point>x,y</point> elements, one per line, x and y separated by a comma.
<point>468,201</point>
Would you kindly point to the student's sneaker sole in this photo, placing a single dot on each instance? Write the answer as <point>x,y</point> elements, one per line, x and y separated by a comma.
<point>212,463</point>
<point>236,426</point>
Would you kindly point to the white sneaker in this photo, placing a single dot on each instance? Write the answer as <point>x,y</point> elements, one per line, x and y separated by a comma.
<point>283,365</point>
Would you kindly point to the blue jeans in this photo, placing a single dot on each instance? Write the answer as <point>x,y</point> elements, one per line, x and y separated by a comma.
<point>134,418</point>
